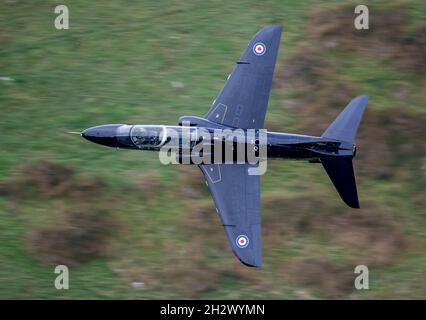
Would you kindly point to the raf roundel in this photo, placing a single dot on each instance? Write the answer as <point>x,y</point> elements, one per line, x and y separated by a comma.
<point>242,241</point>
<point>259,49</point>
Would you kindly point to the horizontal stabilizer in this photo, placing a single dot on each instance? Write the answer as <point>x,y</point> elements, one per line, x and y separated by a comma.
<point>345,126</point>
<point>341,173</point>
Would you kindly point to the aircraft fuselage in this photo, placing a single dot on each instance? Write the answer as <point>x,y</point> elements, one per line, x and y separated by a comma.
<point>183,139</point>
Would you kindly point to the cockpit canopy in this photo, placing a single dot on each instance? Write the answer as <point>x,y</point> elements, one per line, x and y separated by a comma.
<point>147,136</point>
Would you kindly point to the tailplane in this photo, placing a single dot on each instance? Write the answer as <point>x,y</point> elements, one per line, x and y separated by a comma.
<point>345,126</point>
<point>341,173</point>
<point>340,169</point>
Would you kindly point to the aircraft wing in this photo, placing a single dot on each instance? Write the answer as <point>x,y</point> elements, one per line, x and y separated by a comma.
<point>236,195</point>
<point>243,100</point>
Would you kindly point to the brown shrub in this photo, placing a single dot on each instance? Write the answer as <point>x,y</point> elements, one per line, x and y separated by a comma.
<point>51,180</point>
<point>371,236</point>
<point>384,139</point>
<point>389,36</point>
<point>321,276</point>
<point>81,235</point>
<point>420,200</point>
<point>388,140</point>
<point>4,189</point>
<point>270,126</point>
<point>87,188</point>
<point>336,23</point>
<point>149,188</point>
<point>390,143</point>
<point>305,70</point>
<point>80,228</point>
<point>372,231</point>
<point>203,224</point>
<point>309,71</point>
<point>252,276</point>
<point>207,238</point>
<point>375,155</point>
<point>149,184</point>
<point>191,182</point>
<point>195,278</point>
<point>326,106</point>
<point>284,218</point>
<point>44,177</point>
<point>407,130</point>
<point>191,273</point>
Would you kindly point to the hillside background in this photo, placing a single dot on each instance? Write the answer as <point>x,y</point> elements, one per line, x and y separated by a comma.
<point>129,227</point>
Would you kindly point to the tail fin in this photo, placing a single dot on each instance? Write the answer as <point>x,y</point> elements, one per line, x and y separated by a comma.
<point>341,173</point>
<point>346,124</point>
<point>340,169</point>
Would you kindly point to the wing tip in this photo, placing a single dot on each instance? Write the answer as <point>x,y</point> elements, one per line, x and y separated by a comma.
<point>275,29</point>
<point>353,205</point>
<point>363,99</point>
<point>251,265</point>
<point>274,26</point>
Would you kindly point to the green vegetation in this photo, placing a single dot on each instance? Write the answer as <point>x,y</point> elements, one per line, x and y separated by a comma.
<point>124,219</point>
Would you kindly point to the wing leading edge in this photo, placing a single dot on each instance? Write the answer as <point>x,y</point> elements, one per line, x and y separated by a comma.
<point>236,195</point>
<point>243,100</point>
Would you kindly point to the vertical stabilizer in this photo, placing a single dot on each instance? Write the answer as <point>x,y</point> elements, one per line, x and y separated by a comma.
<point>345,126</point>
<point>340,169</point>
<point>341,173</point>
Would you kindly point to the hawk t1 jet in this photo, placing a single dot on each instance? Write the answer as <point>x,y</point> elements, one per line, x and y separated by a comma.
<point>242,105</point>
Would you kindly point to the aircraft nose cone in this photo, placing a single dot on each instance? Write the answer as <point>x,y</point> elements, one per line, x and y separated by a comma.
<point>105,135</point>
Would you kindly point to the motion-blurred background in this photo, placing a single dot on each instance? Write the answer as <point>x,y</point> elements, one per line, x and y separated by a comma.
<point>129,227</point>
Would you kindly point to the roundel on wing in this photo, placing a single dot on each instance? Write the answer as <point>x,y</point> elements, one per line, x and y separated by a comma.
<point>259,49</point>
<point>242,241</point>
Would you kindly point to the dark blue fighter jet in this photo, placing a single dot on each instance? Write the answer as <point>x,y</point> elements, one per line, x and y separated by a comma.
<point>242,104</point>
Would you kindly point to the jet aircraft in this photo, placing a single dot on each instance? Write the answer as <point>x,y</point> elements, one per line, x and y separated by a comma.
<point>241,104</point>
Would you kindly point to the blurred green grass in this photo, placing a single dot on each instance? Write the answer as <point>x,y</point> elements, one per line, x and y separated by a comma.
<point>116,64</point>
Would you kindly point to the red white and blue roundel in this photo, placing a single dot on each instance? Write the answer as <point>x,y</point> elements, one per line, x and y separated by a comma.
<point>242,241</point>
<point>259,49</point>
